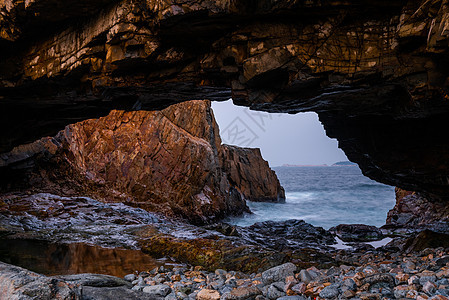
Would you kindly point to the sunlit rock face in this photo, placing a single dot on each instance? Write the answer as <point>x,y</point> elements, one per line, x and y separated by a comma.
<point>170,161</point>
<point>251,175</point>
<point>375,71</point>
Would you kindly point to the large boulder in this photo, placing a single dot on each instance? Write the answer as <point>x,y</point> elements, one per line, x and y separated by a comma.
<point>278,273</point>
<point>18,283</point>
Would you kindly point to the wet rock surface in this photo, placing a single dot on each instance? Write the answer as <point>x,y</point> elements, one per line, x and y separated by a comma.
<point>288,234</point>
<point>374,275</point>
<point>282,255</point>
<point>84,220</point>
<point>71,220</point>
<point>248,249</point>
<point>357,232</point>
<point>94,280</point>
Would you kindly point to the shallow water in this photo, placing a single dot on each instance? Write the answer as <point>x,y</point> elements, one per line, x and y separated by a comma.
<point>325,196</point>
<point>63,259</point>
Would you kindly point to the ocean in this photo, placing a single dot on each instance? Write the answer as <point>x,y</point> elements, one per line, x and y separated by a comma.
<point>326,197</point>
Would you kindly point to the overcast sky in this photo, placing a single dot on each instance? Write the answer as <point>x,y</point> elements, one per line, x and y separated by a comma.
<point>283,139</point>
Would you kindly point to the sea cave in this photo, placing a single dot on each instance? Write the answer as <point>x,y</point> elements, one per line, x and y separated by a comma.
<point>109,147</point>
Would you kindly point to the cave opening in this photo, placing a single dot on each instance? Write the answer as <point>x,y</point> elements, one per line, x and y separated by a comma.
<point>321,186</point>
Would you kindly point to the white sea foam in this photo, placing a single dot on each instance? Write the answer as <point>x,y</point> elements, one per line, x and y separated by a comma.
<point>340,245</point>
<point>299,197</point>
<point>383,242</point>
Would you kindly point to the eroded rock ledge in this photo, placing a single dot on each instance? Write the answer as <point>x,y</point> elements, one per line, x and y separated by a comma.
<point>169,161</point>
<point>375,71</point>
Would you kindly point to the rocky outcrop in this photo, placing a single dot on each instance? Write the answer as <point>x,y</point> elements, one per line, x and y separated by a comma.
<point>169,161</point>
<point>426,239</point>
<point>53,235</point>
<point>251,174</point>
<point>375,71</point>
<point>357,232</point>
<point>18,283</point>
<point>249,249</point>
<point>415,212</point>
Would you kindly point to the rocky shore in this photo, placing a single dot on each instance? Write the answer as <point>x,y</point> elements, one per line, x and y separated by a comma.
<point>415,212</point>
<point>268,260</point>
<point>380,275</point>
<point>375,274</point>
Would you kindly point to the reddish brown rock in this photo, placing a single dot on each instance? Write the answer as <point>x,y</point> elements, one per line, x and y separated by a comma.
<point>251,174</point>
<point>165,161</point>
<point>414,211</point>
<point>169,161</point>
<point>375,71</point>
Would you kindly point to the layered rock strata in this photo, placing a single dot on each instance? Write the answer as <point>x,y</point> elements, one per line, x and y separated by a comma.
<point>415,212</point>
<point>169,161</point>
<point>375,71</point>
<point>251,175</point>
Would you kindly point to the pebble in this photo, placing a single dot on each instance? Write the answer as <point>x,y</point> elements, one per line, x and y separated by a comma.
<point>206,294</point>
<point>130,277</point>
<point>299,288</point>
<point>160,290</point>
<point>429,287</point>
<point>275,291</point>
<point>278,273</point>
<point>305,276</point>
<point>422,276</point>
<point>330,292</point>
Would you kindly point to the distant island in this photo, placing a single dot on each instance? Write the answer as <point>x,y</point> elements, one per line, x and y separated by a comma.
<point>296,166</point>
<point>344,163</point>
<point>337,164</point>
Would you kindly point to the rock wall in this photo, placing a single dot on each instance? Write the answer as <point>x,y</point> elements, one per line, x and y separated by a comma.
<point>251,174</point>
<point>415,212</point>
<point>375,71</point>
<point>169,161</point>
